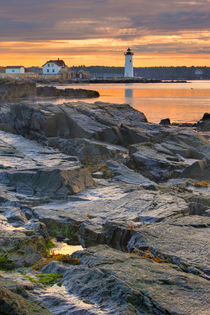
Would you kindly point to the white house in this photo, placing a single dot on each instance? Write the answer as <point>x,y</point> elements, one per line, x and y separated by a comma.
<point>15,69</point>
<point>53,67</point>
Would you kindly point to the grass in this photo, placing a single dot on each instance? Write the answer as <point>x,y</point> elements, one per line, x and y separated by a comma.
<point>55,230</point>
<point>3,259</point>
<point>5,264</point>
<point>47,279</point>
<point>33,280</point>
<point>68,259</point>
<point>49,246</point>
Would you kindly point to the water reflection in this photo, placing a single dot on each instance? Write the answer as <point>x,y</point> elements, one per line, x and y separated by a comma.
<point>129,96</point>
<point>177,101</point>
<point>65,249</point>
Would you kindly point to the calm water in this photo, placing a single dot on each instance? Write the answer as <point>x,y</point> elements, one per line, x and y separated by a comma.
<point>181,102</point>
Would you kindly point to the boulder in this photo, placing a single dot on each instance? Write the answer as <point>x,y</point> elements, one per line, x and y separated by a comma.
<point>204,123</point>
<point>199,170</point>
<point>99,121</point>
<point>168,153</point>
<point>165,122</point>
<point>48,182</point>
<point>158,166</point>
<point>89,152</point>
<point>129,135</point>
<point>206,116</point>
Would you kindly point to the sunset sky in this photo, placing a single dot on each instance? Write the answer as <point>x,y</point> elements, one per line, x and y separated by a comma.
<point>97,32</point>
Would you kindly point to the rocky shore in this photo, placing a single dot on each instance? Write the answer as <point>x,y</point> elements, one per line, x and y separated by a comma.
<point>14,90</point>
<point>135,195</point>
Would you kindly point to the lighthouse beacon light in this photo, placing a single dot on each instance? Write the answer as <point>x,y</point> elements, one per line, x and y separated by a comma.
<point>128,63</point>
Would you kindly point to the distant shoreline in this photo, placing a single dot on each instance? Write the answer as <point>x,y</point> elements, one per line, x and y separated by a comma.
<point>111,81</point>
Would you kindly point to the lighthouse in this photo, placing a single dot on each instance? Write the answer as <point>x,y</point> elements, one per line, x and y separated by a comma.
<point>128,63</point>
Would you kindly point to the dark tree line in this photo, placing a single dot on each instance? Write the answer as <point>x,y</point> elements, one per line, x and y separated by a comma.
<point>162,73</point>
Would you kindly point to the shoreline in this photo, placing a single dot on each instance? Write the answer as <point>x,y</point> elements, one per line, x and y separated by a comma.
<point>111,81</point>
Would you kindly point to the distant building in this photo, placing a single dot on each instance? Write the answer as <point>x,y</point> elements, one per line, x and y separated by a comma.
<point>199,74</point>
<point>82,74</point>
<point>54,67</point>
<point>15,69</point>
<point>128,64</point>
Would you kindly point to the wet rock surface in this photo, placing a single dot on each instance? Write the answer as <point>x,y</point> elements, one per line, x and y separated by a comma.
<point>143,219</point>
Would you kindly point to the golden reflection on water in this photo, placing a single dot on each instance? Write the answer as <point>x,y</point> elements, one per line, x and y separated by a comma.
<point>65,249</point>
<point>181,102</point>
<point>176,104</point>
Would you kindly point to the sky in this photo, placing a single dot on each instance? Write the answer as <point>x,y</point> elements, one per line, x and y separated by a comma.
<point>97,32</point>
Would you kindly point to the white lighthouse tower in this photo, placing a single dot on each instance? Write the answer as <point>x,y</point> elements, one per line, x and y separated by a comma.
<point>129,63</point>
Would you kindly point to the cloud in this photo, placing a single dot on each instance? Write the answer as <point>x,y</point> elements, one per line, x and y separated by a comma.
<point>70,19</point>
<point>105,26</point>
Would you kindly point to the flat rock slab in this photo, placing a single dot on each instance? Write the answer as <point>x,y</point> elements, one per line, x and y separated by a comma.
<point>182,241</point>
<point>21,153</point>
<point>121,283</point>
<point>122,173</point>
<point>33,169</point>
<point>158,221</point>
<point>112,203</point>
<point>97,210</point>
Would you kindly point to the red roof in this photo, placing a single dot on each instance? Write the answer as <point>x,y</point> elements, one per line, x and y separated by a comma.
<point>58,62</point>
<point>14,67</point>
<point>28,70</point>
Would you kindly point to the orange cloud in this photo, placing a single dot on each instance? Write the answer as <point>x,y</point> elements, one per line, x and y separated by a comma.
<point>162,32</point>
<point>186,48</point>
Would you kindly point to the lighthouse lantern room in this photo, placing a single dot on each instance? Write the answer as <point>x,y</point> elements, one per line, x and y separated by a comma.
<point>128,63</point>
